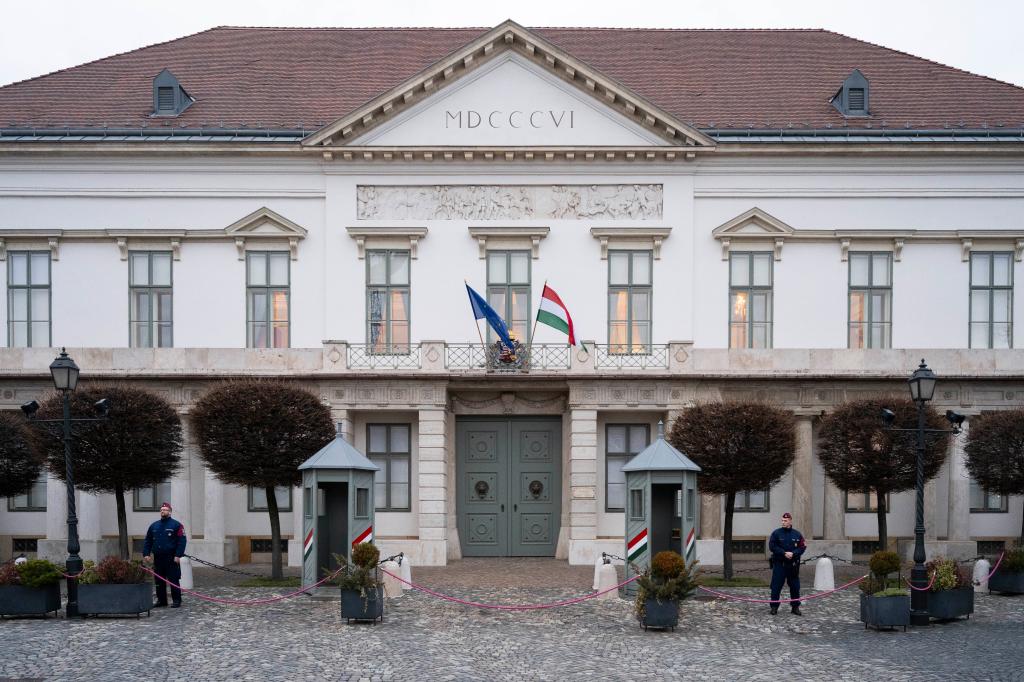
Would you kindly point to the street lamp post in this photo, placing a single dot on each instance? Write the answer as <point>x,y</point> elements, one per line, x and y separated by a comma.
<point>922,390</point>
<point>65,379</point>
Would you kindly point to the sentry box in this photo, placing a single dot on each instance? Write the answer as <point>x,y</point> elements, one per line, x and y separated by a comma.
<point>337,506</point>
<point>661,506</point>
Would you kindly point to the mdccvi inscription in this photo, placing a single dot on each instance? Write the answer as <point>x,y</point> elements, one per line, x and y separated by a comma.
<point>509,202</point>
<point>547,118</point>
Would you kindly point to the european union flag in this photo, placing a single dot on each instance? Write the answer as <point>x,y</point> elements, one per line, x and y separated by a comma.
<point>481,309</point>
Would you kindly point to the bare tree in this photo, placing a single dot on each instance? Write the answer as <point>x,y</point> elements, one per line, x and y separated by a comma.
<point>995,453</point>
<point>20,459</point>
<point>138,445</point>
<point>257,433</point>
<point>738,446</point>
<point>860,455</point>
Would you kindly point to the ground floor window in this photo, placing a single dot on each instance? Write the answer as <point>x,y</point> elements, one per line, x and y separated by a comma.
<point>33,500</point>
<point>984,501</point>
<point>151,497</point>
<point>865,502</point>
<point>751,501</point>
<point>258,498</point>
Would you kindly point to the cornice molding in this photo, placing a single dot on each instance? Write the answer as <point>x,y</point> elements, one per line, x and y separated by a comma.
<point>531,234</point>
<point>410,235</point>
<point>652,237</point>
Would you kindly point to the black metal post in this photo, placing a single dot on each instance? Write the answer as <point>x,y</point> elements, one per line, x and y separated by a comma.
<point>74,562</point>
<point>918,575</point>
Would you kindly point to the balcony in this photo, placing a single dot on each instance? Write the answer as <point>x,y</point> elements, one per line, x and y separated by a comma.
<point>495,359</point>
<point>368,356</point>
<point>622,357</point>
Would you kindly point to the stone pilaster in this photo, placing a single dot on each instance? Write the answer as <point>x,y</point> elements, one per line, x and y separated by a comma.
<point>801,505</point>
<point>181,482</point>
<point>89,527</point>
<point>959,522</point>
<point>214,546</point>
<point>433,487</point>
<point>582,486</point>
<point>833,525</point>
<point>55,546</point>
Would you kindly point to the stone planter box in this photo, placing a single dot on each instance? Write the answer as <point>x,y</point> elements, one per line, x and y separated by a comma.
<point>885,612</point>
<point>115,599</point>
<point>1004,581</point>
<point>660,614</point>
<point>18,600</point>
<point>355,606</point>
<point>950,604</point>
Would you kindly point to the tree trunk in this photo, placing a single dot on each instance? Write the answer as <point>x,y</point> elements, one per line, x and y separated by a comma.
<point>730,505</point>
<point>275,534</point>
<point>883,529</point>
<point>122,524</point>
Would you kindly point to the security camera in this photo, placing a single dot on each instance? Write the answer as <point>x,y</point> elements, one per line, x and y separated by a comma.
<point>888,417</point>
<point>102,407</point>
<point>956,419</point>
<point>30,408</point>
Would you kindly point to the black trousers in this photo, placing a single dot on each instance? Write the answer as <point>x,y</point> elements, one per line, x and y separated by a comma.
<point>163,565</point>
<point>786,572</point>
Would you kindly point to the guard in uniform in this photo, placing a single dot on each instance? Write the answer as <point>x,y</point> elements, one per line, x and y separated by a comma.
<point>165,545</point>
<point>786,546</point>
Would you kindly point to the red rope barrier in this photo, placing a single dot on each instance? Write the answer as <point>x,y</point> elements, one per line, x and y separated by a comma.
<point>751,600</point>
<point>922,589</point>
<point>506,607</point>
<point>242,602</point>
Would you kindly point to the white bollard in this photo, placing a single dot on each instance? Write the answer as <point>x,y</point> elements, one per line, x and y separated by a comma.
<point>186,573</point>
<point>607,578</point>
<point>20,560</point>
<point>406,573</point>
<point>981,570</point>
<point>392,587</point>
<point>824,575</point>
<point>597,569</point>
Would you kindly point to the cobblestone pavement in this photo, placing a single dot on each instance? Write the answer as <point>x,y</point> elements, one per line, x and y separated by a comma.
<point>426,639</point>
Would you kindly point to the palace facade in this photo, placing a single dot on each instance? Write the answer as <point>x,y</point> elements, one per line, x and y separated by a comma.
<point>793,216</point>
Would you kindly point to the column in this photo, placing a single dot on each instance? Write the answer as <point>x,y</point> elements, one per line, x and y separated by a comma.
<point>55,546</point>
<point>835,512</point>
<point>343,418</point>
<point>89,528</point>
<point>582,486</point>
<point>959,528</point>
<point>214,546</point>
<point>930,530</point>
<point>803,469</point>
<point>433,487</point>
<point>181,488</point>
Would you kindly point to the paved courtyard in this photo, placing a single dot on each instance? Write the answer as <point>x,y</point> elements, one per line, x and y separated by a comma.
<point>427,639</point>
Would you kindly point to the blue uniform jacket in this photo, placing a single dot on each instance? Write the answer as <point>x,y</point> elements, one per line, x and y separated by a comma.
<point>785,540</point>
<point>166,536</point>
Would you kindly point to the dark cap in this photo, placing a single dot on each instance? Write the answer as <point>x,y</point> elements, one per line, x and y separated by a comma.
<point>787,515</point>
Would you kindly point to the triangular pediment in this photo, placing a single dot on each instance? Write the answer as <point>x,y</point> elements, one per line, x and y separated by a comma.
<point>265,223</point>
<point>463,90</point>
<point>753,223</point>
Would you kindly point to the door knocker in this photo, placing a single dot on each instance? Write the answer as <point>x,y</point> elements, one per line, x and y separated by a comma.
<point>536,488</point>
<point>481,488</point>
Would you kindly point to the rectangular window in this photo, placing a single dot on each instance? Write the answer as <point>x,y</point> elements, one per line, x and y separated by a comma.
<point>691,504</point>
<point>258,498</point>
<point>621,443</point>
<point>25,545</point>
<point>387,446</point>
<point>991,300</point>
<point>636,504</point>
<point>33,500</point>
<point>508,291</point>
<point>748,546</point>
<point>28,299</point>
<point>387,301</point>
<point>307,502</point>
<point>752,501</point>
<point>750,300</point>
<point>983,501</point>
<point>266,545</point>
<point>629,302</point>
<point>865,502</point>
<point>870,300</point>
<point>150,315</point>
<point>362,503</point>
<point>151,497</point>
<point>268,294</point>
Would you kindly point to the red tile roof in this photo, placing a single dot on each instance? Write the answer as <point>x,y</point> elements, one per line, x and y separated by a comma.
<point>274,77</point>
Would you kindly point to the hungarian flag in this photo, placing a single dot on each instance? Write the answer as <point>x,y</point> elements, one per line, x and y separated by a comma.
<point>553,313</point>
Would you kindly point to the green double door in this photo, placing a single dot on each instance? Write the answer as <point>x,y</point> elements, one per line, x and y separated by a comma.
<point>508,485</point>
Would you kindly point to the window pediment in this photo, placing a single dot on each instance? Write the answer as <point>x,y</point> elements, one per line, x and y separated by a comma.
<point>370,237</point>
<point>509,237</point>
<point>631,238</point>
<point>265,224</point>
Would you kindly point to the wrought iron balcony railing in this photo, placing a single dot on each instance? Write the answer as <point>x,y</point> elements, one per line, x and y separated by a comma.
<point>621,356</point>
<point>497,359</point>
<point>396,356</point>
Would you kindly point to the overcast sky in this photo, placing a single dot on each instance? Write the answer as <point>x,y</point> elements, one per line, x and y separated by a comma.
<point>983,37</point>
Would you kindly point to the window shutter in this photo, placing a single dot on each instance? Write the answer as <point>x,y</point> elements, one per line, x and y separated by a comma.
<point>855,99</point>
<point>165,99</point>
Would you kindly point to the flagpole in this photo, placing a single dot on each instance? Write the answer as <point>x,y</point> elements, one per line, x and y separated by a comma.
<point>529,346</point>
<point>476,321</point>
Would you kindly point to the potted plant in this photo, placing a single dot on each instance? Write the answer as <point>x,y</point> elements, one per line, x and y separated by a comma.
<point>30,588</point>
<point>660,588</point>
<point>883,601</point>
<point>114,586</point>
<point>952,594</point>
<point>362,592</point>
<point>1009,576</point>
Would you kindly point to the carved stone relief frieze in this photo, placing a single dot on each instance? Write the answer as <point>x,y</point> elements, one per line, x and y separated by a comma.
<point>509,202</point>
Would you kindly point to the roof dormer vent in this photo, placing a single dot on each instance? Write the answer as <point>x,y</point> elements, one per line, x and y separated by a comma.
<point>852,97</point>
<point>169,98</point>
